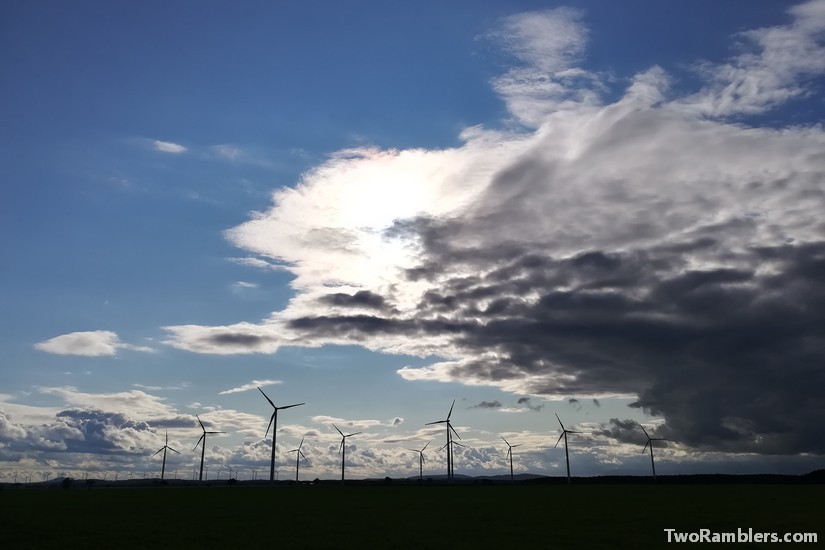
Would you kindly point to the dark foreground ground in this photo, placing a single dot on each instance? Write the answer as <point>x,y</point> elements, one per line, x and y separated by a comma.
<point>395,516</point>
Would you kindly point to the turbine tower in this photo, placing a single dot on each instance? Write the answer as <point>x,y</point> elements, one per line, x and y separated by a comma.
<point>449,443</point>
<point>273,422</point>
<point>164,448</point>
<point>298,458</point>
<point>564,433</point>
<point>510,454</point>
<point>420,460</point>
<point>203,448</point>
<point>343,448</point>
<point>650,441</point>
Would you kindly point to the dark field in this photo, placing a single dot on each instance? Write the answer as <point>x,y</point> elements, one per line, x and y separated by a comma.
<point>437,516</point>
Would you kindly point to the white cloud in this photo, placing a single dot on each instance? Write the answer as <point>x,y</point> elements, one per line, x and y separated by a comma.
<point>168,147</point>
<point>139,403</point>
<point>96,343</point>
<point>250,386</point>
<point>773,68</point>
<point>259,263</point>
<point>227,152</point>
<point>240,285</point>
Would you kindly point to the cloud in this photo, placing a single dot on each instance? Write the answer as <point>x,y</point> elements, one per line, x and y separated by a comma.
<point>168,147</point>
<point>644,246</point>
<point>487,405</point>
<point>527,402</point>
<point>250,386</point>
<point>776,64</point>
<point>227,152</point>
<point>96,343</point>
<point>259,263</point>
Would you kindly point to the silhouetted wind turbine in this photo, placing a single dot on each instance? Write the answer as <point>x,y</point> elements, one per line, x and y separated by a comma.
<point>650,441</point>
<point>420,460</point>
<point>343,448</point>
<point>203,448</point>
<point>510,454</point>
<point>298,458</point>
<point>449,439</point>
<point>564,433</point>
<point>164,448</point>
<point>273,422</point>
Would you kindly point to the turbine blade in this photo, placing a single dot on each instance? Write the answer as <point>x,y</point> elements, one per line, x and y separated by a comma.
<point>173,450</point>
<point>339,431</point>
<point>519,445</point>
<point>502,438</point>
<point>645,431</point>
<point>572,432</point>
<point>559,419</point>
<point>558,440</point>
<point>356,433</point>
<point>201,423</point>
<point>451,410</point>
<point>216,432</point>
<point>159,450</point>
<point>425,446</point>
<point>453,429</point>
<point>301,444</point>
<point>267,397</point>
<point>271,419</point>
<point>290,406</point>
<point>342,444</point>
<point>646,444</point>
<point>199,441</point>
<point>167,438</point>
<point>436,422</point>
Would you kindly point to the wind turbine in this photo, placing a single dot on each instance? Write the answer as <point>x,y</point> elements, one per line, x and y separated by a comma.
<point>420,460</point>
<point>650,441</point>
<point>343,448</point>
<point>510,454</point>
<point>203,448</point>
<point>164,448</point>
<point>298,458</point>
<point>449,443</point>
<point>564,432</point>
<point>273,422</point>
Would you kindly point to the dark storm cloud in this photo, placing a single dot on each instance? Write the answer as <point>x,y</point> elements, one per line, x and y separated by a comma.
<point>731,357</point>
<point>362,298</point>
<point>624,431</point>
<point>237,339</point>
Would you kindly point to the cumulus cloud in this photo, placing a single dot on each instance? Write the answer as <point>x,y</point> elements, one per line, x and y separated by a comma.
<point>250,386</point>
<point>168,147</point>
<point>648,246</point>
<point>95,343</point>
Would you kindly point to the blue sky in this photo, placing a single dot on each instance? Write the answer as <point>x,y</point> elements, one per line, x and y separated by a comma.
<point>610,211</point>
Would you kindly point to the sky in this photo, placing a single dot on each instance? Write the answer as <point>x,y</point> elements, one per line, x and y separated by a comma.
<point>610,212</point>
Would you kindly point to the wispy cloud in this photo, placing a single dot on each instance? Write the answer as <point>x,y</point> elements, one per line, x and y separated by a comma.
<point>227,152</point>
<point>250,386</point>
<point>168,147</point>
<point>259,263</point>
<point>96,343</point>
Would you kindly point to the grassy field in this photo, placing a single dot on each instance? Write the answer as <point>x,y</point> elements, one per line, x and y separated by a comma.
<point>595,516</point>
